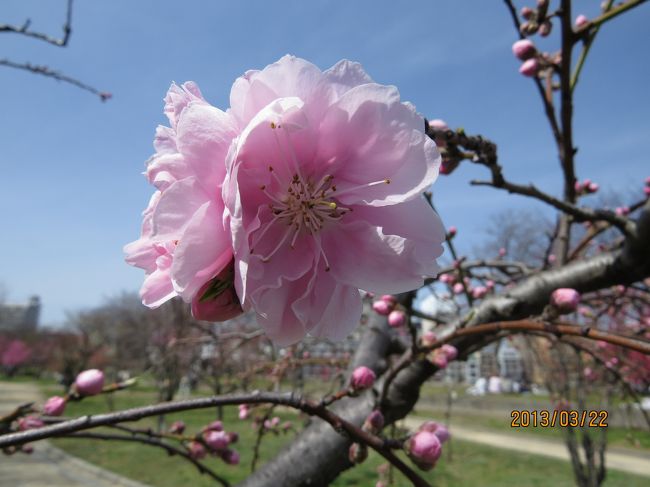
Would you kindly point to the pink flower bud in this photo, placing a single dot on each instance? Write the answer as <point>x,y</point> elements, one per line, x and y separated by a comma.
<point>105,95</point>
<point>438,358</point>
<point>438,124</point>
<point>267,424</point>
<point>440,430</point>
<point>647,181</point>
<point>177,428</point>
<point>450,352</point>
<point>578,187</point>
<point>646,190</point>
<point>196,450</point>
<point>428,338</point>
<point>524,49</point>
<point>545,28</point>
<point>357,453</point>
<point>527,12</point>
<point>275,421</point>
<point>458,288</point>
<point>30,422</point>
<point>233,437</point>
<point>490,284</point>
<point>424,449</point>
<point>27,449</point>
<point>622,210</point>
<point>447,278</point>
<point>287,425</point>
<point>243,411</point>
<point>479,292</point>
<point>593,187</point>
<point>230,457</point>
<point>502,252</point>
<point>396,318</point>
<point>529,67</point>
<point>452,231</point>
<point>90,382</point>
<point>589,373</point>
<point>222,307</point>
<point>214,426</point>
<point>362,378</point>
<point>216,440</point>
<point>390,299</point>
<point>565,300</point>
<point>382,307</point>
<point>581,20</point>
<point>374,422</point>
<point>54,406</point>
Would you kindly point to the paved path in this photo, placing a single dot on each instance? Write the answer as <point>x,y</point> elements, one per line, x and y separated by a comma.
<point>47,466</point>
<point>633,462</point>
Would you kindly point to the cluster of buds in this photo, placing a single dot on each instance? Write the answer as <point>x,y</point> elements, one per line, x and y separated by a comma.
<point>216,441</point>
<point>441,356</point>
<point>425,446</point>
<point>387,306</point>
<point>565,300</point>
<point>586,187</point>
<point>536,20</point>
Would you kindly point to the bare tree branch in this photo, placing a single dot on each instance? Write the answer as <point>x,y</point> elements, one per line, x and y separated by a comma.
<point>24,30</point>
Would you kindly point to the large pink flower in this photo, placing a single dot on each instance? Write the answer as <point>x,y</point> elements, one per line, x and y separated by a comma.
<point>323,196</point>
<point>184,243</point>
<point>310,184</point>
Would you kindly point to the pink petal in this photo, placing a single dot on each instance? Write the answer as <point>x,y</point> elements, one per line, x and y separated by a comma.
<point>177,205</point>
<point>177,99</point>
<point>372,136</point>
<point>362,256</point>
<point>345,75</point>
<point>204,137</point>
<point>157,289</point>
<point>203,251</point>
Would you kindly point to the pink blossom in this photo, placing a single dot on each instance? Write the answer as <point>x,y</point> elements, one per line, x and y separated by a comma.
<point>30,422</point>
<point>177,427</point>
<point>502,252</point>
<point>438,358</point>
<point>449,351</point>
<point>16,354</point>
<point>529,67</point>
<point>382,307</point>
<point>397,318</point>
<point>357,453</point>
<point>374,422</point>
<point>230,457</point>
<point>184,242</point>
<point>243,411</point>
<point>447,279</point>
<point>216,440</point>
<point>424,449</point>
<point>356,159</point>
<point>362,378</point>
<point>54,406</point>
<point>479,292</point>
<point>90,382</point>
<point>581,20</point>
<point>489,284</point>
<point>551,259</point>
<point>524,49</point>
<point>214,426</point>
<point>197,450</point>
<point>565,300</point>
<point>458,288</point>
<point>527,12</point>
<point>428,338</point>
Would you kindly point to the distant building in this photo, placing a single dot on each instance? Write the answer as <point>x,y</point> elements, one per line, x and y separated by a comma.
<point>20,317</point>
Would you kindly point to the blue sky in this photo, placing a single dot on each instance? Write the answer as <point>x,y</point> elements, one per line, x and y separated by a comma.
<point>71,192</point>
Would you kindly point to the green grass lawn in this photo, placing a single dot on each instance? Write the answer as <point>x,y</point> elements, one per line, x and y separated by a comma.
<point>469,465</point>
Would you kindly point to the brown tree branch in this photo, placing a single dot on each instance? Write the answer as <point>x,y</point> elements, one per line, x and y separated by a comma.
<point>24,30</point>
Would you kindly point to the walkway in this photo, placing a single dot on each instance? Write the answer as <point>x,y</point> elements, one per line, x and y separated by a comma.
<point>47,466</point>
